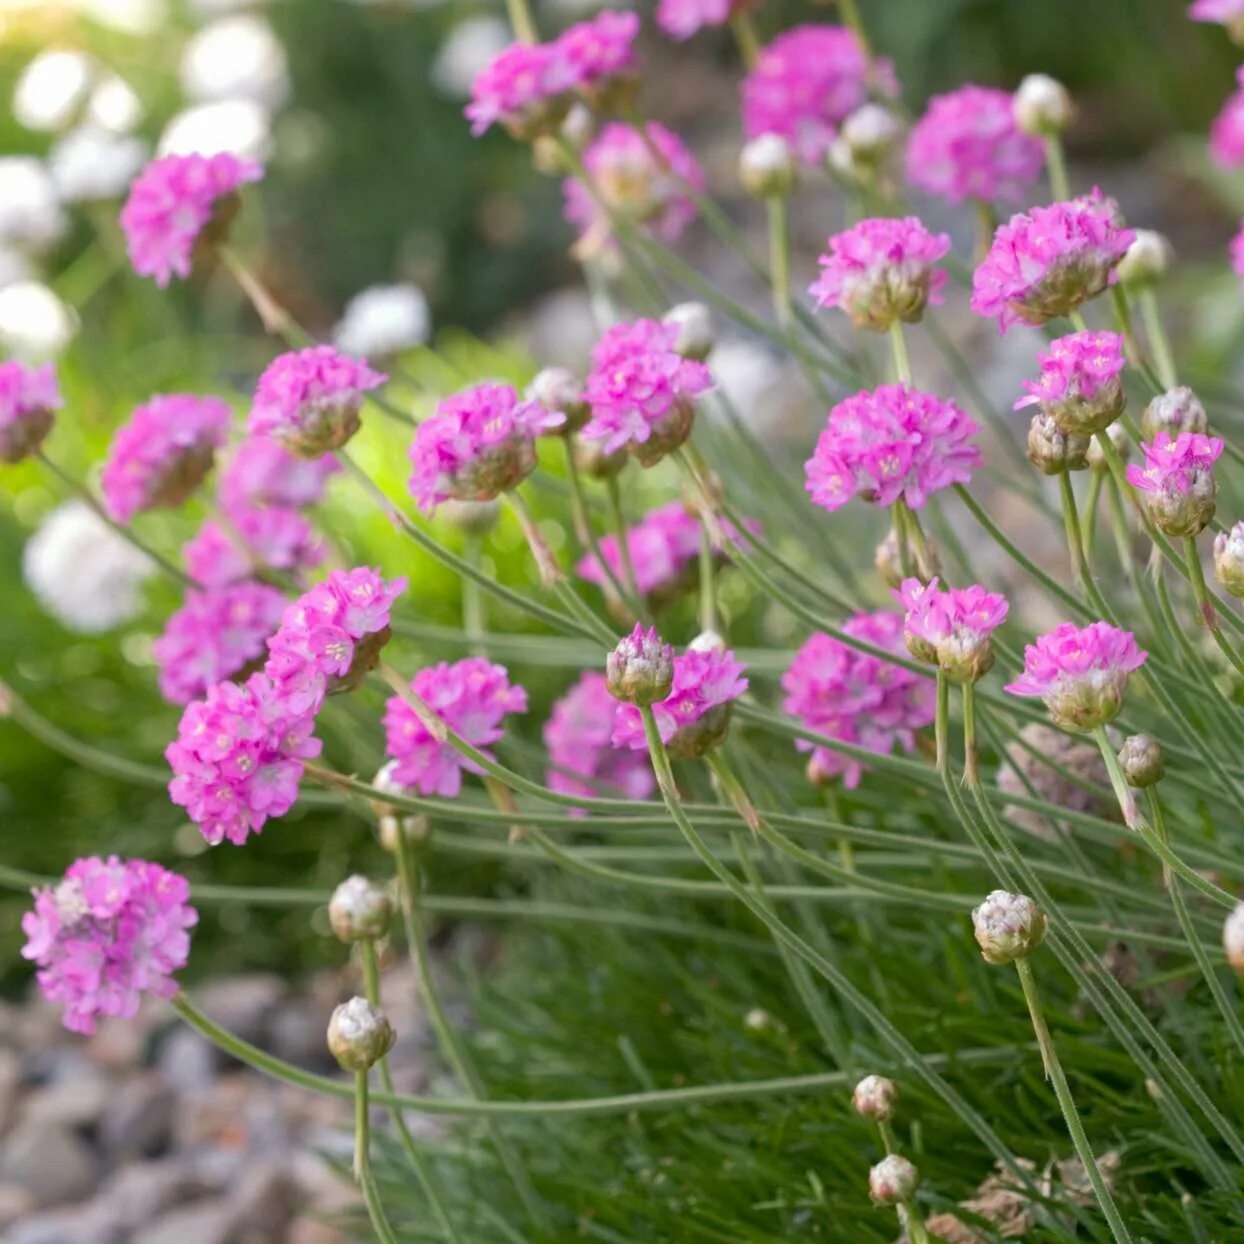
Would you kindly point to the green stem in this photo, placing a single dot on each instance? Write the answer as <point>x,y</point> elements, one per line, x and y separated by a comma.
<point>1075,546</point>
<point>779,258</point>
<point>708,586</point>
<point>1135,355</point>
<point>941,724</point>
<point>1092,505</point>
<point>617,517</point>
<point>521,21</point>
<point>971,773</point>
<point>745,36</point>
<point>1155,330</point>
<point>1056,166</point>
<point>1205,607</point>
<point>898,352</point>
<point>546,563</point>
<point>474,621</point>
<point>362,1162</point>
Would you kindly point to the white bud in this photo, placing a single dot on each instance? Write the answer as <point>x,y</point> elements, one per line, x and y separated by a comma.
<point>870,132</point>
<point>707,641</point>
<point>767,167</point>
<point>558,390</point>
<point>359,1035</point>
<point>875,1097</point>
<point>694,322</point>
<point>1233,938</point>
<point>893,1180</point>
<point>1008,927</point>
<point>1042,105</point>
<point>359,910</point>
<point>1147,259</point>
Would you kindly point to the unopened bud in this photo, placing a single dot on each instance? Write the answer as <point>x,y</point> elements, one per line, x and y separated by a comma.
<point>695,330</point>
<point>1146,261</point>
<point>594,462</point>
<point>1175,411</point>
<point>1233,938</point>
<point>359,910</point>
<point>893,1180</point>
<point>871,133</point>
<point>1142,760</point>
<point>767,167</point>
<point>359,1035</point>
<point>1118,438</point>
<point>1184,506</point>
<point>558,390</point>
<point>875,1097</point>
<point>1008,927</point>
<point>1229,559</point>
<point>888,559</point>
<point>547,151</point>
<point>640,670</point>
<point>1053,451</point>
<point>394,825</point>
<point>707,641</point>
<point>1042,105</point>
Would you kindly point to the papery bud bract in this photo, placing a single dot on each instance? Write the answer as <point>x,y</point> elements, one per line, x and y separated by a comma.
<point>359,910</point>
<point>1142,760</point>
<point>1175,411</point>
<point>1176,481</point>
<point>640,670</point>
<point>1122,447</point>
<point>1233,938</point>
<point>1229,559</point>
<point>1042,105</point>
<point>875,1097</point>
<point>359,1035</point>
<point>707,641</point>
<point>767,167</point>
<point>393,825</point>
<point>1053,451</point>
<point>1146,261</point>
<point>694,322</point>
<point>1008,927</point>
<point>559,391</point>
<point>595,462</point>
<point>893,1180</point>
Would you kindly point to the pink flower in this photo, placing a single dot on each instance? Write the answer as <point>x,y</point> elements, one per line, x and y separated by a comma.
<point>582,757</point>
<point>601,50</point>
<point>169,204</point>
<point>640,390</point>
<point>881,270</point>
<point>254,538</point>
<point>108,933</point>
<point>478,444</point>
<point>526,89</point>
<point>1177,481</point>
<point>1237,252</point>
<point>806,83</point>
<point>472,697</point>
<point>309,399</point>
<point>967,146</point>
<point>261,471</point>
<point>1225,12</point>
<point>855,697</point>
<point>1048,261</point>
<point>635,184</point>
<point>162,454</point>
<point>680,19</point>
<point>952,629</point>
<point>238,758</point>
<point>1080,673</point>
<point>1079,386</point>
<point>1226,134</point>
<point>28,396</point>
<point>893,442</point>
<point>695,716</point>
<point>214,636</point>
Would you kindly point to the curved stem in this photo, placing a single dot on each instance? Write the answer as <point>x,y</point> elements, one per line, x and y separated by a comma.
<point>1155,330</point>
<point>708,586</point>
<point>617,517</point>
<point>362,1162</point>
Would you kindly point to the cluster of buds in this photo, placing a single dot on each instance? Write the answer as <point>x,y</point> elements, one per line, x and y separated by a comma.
<point>767,167</point>
<point>888,560</point>
<point>1008,927</point>
<point>1233,938</point>
<point>867,139</point>
<point>1146,261</point>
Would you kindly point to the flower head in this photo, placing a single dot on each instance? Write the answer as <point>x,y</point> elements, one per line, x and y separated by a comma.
<point>359,1035</point>
<point>1177,481</point>
<point>1226,134</point>
<point>680,19</point>
<point>252,538</point>
<point>1048,261</point>
<point>952,628</point>
<point>478,444</point>
<point>893,1180</point>
<point>1147,260</point>
<point>261,471</point>
<point>161,455</point>
<point>472,697</point>
<point>1053,451</point>
<point>1175,411</point>
<point>527,88</point>
<point>881,271</point>
<point>1079,386</point>
<point>602,53</point>
<point>28,396</point>
<point>1008,927</point>
<point>1229,559</point>
<point>1229,13</point>
<point>1080,673</point>
<point>109,932</point>
<point>967,146</point>
<point>170,203</point>
<point>875,1097</point>
<point>1042,105</point>
<point>892,442</point>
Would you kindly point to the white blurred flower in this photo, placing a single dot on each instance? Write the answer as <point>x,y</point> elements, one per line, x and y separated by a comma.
<point>51,89</point>
<point>82,572</point>
<point>34,324</point>
<point>383,319</point>
<point>30,215</point>
<point>114,105</point>
<point>132,17</point>
<point>92,163</point>
<point>468,48</point>
<point>237,57</point>
<point>239,126</point>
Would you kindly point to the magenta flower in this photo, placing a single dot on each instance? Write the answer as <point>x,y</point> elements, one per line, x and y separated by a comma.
<point>28,396</point>
<point>952,629</point>
<point>635,184</point>
<point>169,204</point>
<point>602,52</point>
<point>893,442</point>
<point>109,932</point>
<point>967,146</point>
<point>1226,134</point>
<point>1229,13</point>
<point>253,538</point>
<point>161,455</point>
<point>680,19</point>
<point>806,83</point>
<point>582,756</point>
<point>1080,385</point>
<point>1048,261</point>
<point>1177,481</point>
<point>261,471</point>
<point>527,89</point>
<point>478,444</point>
<point>1080,673</point>
<point>880,271</point>
<point>215,635</point>
<point>309,399</point>
<point>856,697</point>
<point>641,389</point>
<point>472,697</point>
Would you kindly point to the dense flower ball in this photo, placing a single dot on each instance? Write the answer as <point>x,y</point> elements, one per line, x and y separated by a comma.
<point>479,444</point>
<point>1080,385</point>
<point>250,539</point>
<point>1177,480</point>
<point>1080,673</point>
<point>893,442</point>
<point>680,19</point>
<point>28,396</point>
<point>170,203</point>
<point>472,697</point>
<point>162,454</point>
<point>1229,559</point>
<point>602,53</point>
<point>579,737</point>
<point>952,629</point>
<point>967,146</point>
<point>109,932</point>
<point>1008,927</point>
<point>1142,760</point>
<point>806,83</point>
<point>641,389</point>
<point>261,471</point>
<point>526,88</point>
<point>856,697</point>
<point>1226,134</point>
<point>640,669</point>
<point>309,399</point>
<point>1049,261</point>
<point>214,636</point>
<point>881,271</point>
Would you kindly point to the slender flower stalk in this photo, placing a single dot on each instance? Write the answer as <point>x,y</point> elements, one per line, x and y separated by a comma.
<point>362,1161</point>
<point>618,519</point>
<point>1155,330</point>
<point>1056,167</point>
<point>778,213</point>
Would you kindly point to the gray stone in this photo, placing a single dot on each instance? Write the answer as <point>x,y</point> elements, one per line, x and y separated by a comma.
<point>74,1103</point>
<point>139,1191</point>
<point>10,1079</point>
<point>296,1034</point>
<point>138,1121</point>
<point>15,1202</point>
<point>263,1202</point>
<point>49,1161</point>
<point>187,1061</point>
<point>204,1222</point>
<point>244,1005</point>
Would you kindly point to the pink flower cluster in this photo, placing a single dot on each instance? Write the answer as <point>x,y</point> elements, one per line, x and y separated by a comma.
<point>856,697</point>
<point>215,635</point>
<point>601,49</point>
<point>967,146</point>
<point>109,932</point>
<point>952,629</point>
<point>169,204</point>
<point>478,444</point>
<point>1048,261</point>
<point>309,399</point>
<point>680,19</point>
<point>28,396</point>
<point>881,270</point>
<point>582,756</point>
<point>1178,481</point>
<point>1225,12</point>
<point>1226,134</point>
<point>806,83</point>
<point>892,442</point>
<point>1080,385</point>
<point>641,389</point>
<point>161,455</point>
<point>472,697</point>
<point>276,537</point>
<point>261,471</point>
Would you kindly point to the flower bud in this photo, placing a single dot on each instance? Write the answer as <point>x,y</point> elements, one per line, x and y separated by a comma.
<point>476,517</point>
<point>1053,451</point>
<point>594,462</point>
<point>393,826</point>
<point>1146,261</point>
<point>892,1181</point>
<point>359,910</point>
<point>1175,411</point>
<point>767,167</point>
<point>558,391</point>
<point>1229,559</point>
<point>1118,438</point>
<point>1042,105</point>
<point>1184,508</point>
<point>875,1097</point>
<point>926,564</point>
<point>695,330</point>
<point>577,127</point>
<point>1233,938</point>
<point>1141,759</point>
<point>707,641</point>
<point>359,1035</point>
<point>640,670</point>
<point>1008,927</point>
<point>870,133</point>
